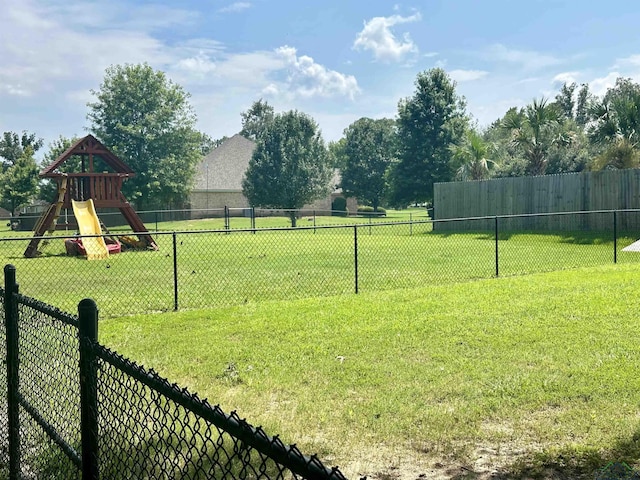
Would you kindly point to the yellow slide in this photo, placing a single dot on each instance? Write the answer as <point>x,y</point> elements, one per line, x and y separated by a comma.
<point>88,224</point>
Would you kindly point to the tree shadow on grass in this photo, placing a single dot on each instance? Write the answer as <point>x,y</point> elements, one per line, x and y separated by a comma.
<point>620,461</point>
<point>586,238</point>
<point>577,238</point>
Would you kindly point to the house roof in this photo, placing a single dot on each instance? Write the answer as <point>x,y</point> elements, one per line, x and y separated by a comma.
<point>223,168</point>
<point>85,146</point>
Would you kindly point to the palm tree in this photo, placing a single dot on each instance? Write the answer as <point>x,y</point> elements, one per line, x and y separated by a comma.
<point>616,127</point>
<point>471,155</point>
<point>534,130</point>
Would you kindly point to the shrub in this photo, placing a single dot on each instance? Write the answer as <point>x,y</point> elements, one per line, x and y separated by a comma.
<point>367,210</point>
<point>339,207</point>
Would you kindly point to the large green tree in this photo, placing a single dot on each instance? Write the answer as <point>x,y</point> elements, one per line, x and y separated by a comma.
<point>584,98</point>
<point>13,145</point>
<point>256,119</point>
<point>337,157</point>
<point>147,121</point>
<point>19,182</point>
<point>290,165</point>
<point>370,147</point>
<point>565,101</point>
<point>428,123</point>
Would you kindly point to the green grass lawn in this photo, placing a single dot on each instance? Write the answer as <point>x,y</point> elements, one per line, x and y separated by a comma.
<point>218,269</point>
<point>530,374</point>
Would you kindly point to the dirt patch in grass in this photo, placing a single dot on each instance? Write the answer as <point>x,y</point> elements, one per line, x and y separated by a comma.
<point>483,462</point>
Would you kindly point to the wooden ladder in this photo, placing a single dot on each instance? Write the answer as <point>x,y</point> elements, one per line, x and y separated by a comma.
<point>47,222</point>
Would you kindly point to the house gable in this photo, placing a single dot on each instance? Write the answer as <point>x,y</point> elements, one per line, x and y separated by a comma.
<point>223,169</point>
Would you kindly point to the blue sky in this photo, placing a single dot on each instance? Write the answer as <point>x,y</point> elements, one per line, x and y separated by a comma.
<point>337,60</point>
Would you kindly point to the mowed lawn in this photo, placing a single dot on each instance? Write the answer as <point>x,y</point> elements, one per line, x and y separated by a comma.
<point>529,375</point>
<point>219,269</point>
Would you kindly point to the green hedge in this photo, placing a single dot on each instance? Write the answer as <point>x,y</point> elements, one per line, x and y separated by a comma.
<point>368,211</point>
<point>339,207</point>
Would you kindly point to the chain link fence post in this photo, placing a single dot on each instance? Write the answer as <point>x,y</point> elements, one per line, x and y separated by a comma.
<point>355,256</point>
<point>496,235</point>
<point>88,333</point>
<point>175,271</point>
<point>11,318</point>
<point>615,237</point>
<point>253,219</point>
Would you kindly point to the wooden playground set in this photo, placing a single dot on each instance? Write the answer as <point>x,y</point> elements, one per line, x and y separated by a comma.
<point>97,185</point>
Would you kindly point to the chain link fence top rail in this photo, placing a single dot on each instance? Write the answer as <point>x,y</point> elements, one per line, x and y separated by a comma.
<point>218,268</point>
<point>213,218</point>
<point>147,427</point>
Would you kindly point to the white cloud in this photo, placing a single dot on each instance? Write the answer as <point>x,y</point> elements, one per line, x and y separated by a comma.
<point>632,61</point>
<point>14,89</point>
<point>306,78</point>
<point>526,80</point>
<point>199,65</point>
<point>488,112</point>
<point>250,68</point>
<point>565,77</point>
<point>526,59</point>
<point>442,63</point>
<point>627,67</point>
<point>377,37</point>
<point>235,7</point>
<point>599,86</point>
<point>50,52</point>
<point>467,75</point>
<point>271,90</point>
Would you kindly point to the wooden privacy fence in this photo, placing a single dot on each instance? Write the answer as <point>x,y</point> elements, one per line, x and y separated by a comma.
<point>570,192</point>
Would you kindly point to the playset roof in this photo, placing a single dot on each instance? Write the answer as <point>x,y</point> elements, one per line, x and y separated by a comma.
<point>89,145</point>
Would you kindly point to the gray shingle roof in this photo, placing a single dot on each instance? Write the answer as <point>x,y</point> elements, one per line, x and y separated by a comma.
<point>223,168</point>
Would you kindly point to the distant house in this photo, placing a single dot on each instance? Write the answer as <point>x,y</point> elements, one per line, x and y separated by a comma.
<point>219,179</point>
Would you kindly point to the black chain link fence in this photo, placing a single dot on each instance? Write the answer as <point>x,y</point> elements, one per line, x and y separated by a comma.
<point>71,408</point>
<point>217,268</point>
<point>223,218</point>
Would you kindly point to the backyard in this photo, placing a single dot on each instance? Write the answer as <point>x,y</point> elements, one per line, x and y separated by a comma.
<point>435,369</point>
<point>528,376</point>
<point>198,268</point>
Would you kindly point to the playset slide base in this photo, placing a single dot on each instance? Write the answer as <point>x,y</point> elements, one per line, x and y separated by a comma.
<point>89,224</point>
